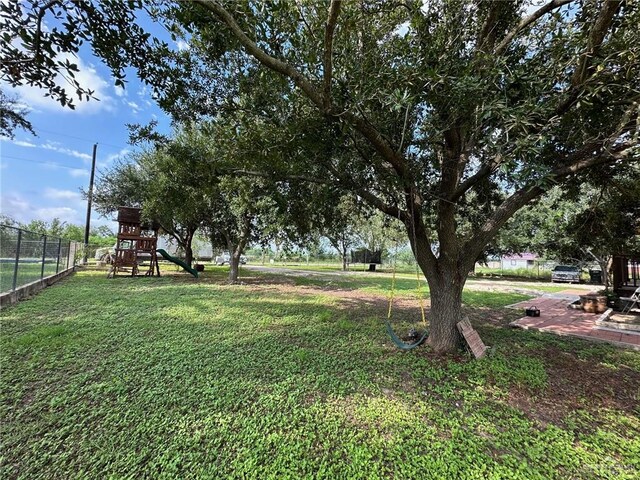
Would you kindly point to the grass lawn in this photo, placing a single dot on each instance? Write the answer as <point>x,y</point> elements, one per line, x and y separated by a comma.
<point>28,271</point>
<point>176,378</point>
<point>337,267</point>
<point>481,273</point>
<point>378,283</point>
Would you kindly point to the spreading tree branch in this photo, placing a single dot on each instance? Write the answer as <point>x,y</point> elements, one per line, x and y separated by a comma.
<point>278,178</point>
<point>327,61</point>
<point>304,20</point>
<point>37,36</point>
<point>259,54</point>
<point>583,71</point>
<point>483,172</point>
<point>486,37</point>
<point>527,21</point>
<point>362,126</point>
<point>597,33</point>
<point>581,160</point>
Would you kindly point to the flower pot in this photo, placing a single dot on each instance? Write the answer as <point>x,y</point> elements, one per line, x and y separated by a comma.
<point>594,303</point>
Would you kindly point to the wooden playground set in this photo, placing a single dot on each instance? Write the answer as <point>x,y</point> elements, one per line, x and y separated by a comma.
<point>136,252</point>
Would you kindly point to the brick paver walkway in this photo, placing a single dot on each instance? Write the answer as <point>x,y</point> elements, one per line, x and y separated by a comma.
<point>556,318</point>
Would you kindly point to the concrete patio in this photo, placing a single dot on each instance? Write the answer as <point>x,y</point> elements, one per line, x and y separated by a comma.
<point>556,318</point>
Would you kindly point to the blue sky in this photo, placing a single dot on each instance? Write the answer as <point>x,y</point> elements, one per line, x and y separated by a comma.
<point>41,176</point>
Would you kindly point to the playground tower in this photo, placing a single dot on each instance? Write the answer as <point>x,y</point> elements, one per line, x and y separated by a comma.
<point>136,245</point>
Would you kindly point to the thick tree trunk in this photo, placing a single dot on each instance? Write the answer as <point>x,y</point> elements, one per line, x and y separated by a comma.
<point>344,259</point>
<point>341,248</point>
<point>188,250</point>
<point>188,254</point>
<point>446,276</point>
<point>446,312</point>
<point>234,261</point>
<point>234,264</point>
<point>604,267</point>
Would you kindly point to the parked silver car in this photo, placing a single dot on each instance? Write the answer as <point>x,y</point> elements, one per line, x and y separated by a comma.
<point>225,259</point>
<point>565,273</point>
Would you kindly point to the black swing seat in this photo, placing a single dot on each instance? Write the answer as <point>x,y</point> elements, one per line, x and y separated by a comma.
<point>398,342</point>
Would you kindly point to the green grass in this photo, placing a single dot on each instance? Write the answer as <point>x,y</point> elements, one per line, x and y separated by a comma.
<point>405,285</point>
<point>337,267</point>
<point>533,273</point>
<point>175,378</point>
<point>526,273</point>
<point>27,272</point>
<point>406,274</point>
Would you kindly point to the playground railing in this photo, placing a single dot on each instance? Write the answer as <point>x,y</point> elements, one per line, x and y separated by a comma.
<point>27,256</point>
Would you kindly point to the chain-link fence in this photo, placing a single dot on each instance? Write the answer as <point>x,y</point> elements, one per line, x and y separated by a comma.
<point>28,256</point>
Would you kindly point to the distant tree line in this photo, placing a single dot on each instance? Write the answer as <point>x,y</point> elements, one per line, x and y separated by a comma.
<point>100,236</point>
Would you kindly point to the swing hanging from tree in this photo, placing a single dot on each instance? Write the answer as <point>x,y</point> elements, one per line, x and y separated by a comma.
<point>398,342</point>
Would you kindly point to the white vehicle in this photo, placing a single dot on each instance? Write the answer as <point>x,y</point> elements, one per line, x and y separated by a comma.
<point>225,259</point>
<point>565,273</point>
<point>105,254</point>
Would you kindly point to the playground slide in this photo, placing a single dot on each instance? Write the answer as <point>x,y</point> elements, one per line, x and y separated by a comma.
<point>177,261</point>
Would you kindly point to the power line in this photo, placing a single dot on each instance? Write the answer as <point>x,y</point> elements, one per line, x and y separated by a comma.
<point>80,138</point>
<point>51,164</point>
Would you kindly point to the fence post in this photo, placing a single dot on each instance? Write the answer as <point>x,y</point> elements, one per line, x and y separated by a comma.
<point>59,248</point>
<point>68,254</point>
<point>44,256</point>
<point>15,267</point>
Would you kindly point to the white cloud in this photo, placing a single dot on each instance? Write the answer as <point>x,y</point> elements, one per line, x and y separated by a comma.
<point>70,210</point>
<point>116,156</point>
<point>134,106</point>
<point>88,78</point>
<point>22,143</point>
<point>145,94</point>
<point>21,209</point>
<point>65,151</point>
<point>143,91</point>
<point>78,172</point>
<point>182,45</point>
<point>120,92</point>
<point>19,143</point>
<point>402,29</point>
<point>112,158</point>
<point>65,214</point>
<point>532,6</point>
<point>56,194</point>
<point>4,165</point>
<point>15,206</point>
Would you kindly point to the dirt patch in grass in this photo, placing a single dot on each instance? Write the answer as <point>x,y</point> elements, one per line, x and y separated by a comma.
<point>575,384</point>
<point>480,317</point>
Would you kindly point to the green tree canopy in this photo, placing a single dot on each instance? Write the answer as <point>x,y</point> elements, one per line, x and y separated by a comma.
<point>587,223</point>
<point>425,110</point>
<point>172,183</point>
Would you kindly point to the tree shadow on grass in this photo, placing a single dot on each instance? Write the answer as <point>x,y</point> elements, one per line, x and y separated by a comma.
<point>164,376</point>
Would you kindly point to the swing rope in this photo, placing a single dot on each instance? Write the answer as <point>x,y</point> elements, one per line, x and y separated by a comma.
<point>398,342</point>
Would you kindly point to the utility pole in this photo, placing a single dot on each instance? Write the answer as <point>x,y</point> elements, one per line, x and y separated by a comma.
<point>89,199</point>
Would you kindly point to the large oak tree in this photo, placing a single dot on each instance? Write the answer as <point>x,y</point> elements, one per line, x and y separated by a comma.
<point>430,108</point>
<point>445,103</point>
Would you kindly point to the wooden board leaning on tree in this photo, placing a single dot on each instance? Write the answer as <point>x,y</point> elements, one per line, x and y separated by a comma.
<point>475,343</point>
